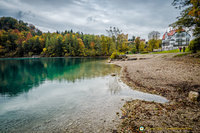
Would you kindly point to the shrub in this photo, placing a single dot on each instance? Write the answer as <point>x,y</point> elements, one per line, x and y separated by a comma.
<point>114,55</point>
<point>133,50</point>
<point>30,53</point>
<point>194,45</point>
<point>66,54</point>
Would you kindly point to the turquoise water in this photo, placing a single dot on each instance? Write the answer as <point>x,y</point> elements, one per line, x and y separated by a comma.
<point>62,95</point>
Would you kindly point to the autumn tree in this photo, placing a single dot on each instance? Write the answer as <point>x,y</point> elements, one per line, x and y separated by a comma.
<point>141,46</point>
<point>137,43</point>
<point>154,44</point>
<point>81,47</point>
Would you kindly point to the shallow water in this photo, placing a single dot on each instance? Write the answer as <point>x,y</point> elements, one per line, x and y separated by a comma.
<point>62,95</point>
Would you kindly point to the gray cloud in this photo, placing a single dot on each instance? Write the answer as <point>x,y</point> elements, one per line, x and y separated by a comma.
<point>135,17</point>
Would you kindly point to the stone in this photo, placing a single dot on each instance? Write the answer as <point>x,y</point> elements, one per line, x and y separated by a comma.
<point>142,58</point>
<point>193,96</point>
<point>113,74</point>
<point>132,58</point>
<point>122,56</point>
<point>109,61</point>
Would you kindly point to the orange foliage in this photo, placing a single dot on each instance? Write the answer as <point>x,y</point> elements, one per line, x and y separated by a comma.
<point>29,35</point>
<point>92,45</point>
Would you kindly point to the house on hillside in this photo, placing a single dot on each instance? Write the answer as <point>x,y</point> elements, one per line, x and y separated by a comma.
<point>175,39</point>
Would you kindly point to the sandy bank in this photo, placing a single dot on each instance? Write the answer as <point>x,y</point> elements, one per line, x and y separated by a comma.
<point>167,76</point>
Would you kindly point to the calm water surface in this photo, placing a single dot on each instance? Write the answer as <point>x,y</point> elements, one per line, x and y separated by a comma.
<point>62,95</point>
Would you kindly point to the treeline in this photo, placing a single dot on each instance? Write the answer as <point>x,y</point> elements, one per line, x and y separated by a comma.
<point>140,46</point>
<point>19,39</point>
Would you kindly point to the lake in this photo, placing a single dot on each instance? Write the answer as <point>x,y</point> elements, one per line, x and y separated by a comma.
<point>62,95</point>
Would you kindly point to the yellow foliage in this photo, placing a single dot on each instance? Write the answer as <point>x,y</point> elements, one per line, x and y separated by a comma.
<point>141,46</point>
<point>44,49</point>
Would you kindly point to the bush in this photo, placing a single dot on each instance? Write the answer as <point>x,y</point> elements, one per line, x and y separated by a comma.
<point>30,54</point>
<point>66,54</point>
<point>133,50</point>
<point>194,45</point>
<point>115,55</point>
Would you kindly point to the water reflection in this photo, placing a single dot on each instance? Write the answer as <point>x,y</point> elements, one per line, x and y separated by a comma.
<point>114,86</point>
<point>20,75</point>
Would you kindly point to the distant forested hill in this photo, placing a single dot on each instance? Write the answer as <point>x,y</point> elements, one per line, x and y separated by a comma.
<point>20,39</point>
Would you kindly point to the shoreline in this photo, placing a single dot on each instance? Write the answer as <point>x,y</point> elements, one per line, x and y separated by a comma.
<point>56,57</point>
<point>166,76</point>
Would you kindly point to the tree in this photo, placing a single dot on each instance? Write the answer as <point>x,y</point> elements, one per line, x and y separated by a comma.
<point>137,43</point>
<point>81,47</point>
<point>113,31</point>
<point>133,38</point>
<point>190,18</point>
<point>141,46</point>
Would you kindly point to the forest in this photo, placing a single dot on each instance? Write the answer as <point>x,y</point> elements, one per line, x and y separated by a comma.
<point>20,39</point>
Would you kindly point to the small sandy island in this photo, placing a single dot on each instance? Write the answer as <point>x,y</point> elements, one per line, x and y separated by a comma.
<point>166,75</point>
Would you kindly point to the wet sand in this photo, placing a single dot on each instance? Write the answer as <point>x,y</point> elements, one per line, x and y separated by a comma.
<point>168,76</point>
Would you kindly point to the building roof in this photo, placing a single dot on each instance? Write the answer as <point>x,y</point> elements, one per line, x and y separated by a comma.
<point>172,32</point>
<point>164,36</point>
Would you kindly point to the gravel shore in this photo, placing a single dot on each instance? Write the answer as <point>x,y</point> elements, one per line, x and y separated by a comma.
<point>168,76</point>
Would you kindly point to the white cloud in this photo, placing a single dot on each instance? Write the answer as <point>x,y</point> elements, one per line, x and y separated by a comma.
<point>134,17</point>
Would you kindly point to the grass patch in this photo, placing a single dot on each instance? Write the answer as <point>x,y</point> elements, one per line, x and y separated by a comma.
<point>170,51</point>
<point>180,55</point>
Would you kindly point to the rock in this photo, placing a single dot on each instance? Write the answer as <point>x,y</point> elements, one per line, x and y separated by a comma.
<point>109,61</point>
<point>172,102</point>
<point>193,96</point>
<point>122,56</point>
<point>114,131</point>
<point>113,74</point>
<point>132,58</point>
<point>70,124</point>
<point>142,58</point>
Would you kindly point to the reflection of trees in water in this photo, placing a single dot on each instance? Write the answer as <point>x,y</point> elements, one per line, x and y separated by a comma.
<point>114,86</point>
<point>19,75</point>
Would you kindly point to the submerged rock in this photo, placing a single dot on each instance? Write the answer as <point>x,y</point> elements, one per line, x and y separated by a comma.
<point>193,96</point>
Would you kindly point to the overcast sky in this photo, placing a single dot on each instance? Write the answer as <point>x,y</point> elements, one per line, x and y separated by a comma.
<point>133,17</point>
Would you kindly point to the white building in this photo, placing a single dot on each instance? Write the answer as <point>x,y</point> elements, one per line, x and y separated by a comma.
<point>175,39</point>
